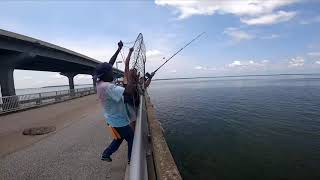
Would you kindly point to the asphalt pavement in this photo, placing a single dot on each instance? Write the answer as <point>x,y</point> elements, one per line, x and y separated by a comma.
<point>72,152</point>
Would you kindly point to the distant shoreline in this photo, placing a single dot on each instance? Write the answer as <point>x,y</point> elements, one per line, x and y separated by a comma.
<point>64,85</point>
<point>201,77</point>
<point>211,77</point>
<point>53,86</point>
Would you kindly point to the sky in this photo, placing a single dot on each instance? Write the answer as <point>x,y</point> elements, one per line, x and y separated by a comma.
<point>242,37</point>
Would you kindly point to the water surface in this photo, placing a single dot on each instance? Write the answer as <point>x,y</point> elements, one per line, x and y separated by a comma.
<point>242,127</point>
<point>48,89</point>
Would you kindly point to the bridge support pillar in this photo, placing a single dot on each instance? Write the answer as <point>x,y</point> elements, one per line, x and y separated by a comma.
<point>7,81</point>
<point>70,77</point>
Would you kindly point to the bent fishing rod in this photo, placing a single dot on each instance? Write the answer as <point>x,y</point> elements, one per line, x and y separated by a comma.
<point>149,75</point>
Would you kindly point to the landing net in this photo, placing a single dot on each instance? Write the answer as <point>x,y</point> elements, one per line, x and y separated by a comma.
<point>138,58</point>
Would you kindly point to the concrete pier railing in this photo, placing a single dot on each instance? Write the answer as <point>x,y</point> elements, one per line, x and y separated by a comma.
<point>151,158</point>
<point>19,102</point>
<point>138,166</point>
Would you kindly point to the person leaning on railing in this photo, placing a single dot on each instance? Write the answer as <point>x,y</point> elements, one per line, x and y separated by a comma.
<point>131,98</point>
<point>111,98</point>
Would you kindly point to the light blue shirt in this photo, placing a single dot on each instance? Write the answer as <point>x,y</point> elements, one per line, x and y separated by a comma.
<point>111,97</point>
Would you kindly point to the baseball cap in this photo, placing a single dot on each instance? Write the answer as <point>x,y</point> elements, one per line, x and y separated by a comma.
<point>101,69</point>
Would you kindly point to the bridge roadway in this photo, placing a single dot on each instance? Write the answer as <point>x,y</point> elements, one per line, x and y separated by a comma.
<point>26,53</point>
<point>72,152</point>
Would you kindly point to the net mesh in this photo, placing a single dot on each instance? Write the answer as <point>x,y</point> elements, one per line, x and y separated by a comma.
<point>138,58</point>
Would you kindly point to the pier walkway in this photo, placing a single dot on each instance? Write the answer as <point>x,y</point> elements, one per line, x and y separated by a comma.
<point>71,152</point>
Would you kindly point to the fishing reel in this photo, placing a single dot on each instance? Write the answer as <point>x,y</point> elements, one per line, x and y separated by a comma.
<point>148,76</point>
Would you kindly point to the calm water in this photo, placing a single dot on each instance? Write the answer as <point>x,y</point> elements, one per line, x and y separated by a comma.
<point>242,128</point>
<point>48,89</point>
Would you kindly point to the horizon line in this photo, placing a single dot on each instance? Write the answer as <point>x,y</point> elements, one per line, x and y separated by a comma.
<point>249,75</point>
<point>199,77</point>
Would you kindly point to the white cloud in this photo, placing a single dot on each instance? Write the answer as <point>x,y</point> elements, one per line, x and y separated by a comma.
<point>235,64</point>
<point>153,52</point>
<point>204,68</point>
<point>199,68</point>
<point>250,63</point>
<point>274,18</point>
<point>242,8</point>
<point>237,34</point>
<point>173,71</point>
<point>296,62</point>
<point>315,54</point>
<point>317,62</point>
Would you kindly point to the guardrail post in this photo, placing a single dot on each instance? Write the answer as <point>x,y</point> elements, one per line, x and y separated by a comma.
<point>38,101</point>
<point>56,98</point>
<point>94,86</point>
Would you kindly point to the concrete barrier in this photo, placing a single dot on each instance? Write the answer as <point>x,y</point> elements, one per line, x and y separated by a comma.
<point>164,164</point>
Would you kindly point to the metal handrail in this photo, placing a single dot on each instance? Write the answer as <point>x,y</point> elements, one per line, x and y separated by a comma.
<point>18,102</point>
<point>138,164</point>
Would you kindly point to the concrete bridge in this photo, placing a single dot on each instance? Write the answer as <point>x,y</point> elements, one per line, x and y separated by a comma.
<point>73,151</point>
<point>21,52</point>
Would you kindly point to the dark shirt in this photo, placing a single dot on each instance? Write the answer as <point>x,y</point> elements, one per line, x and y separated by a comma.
<point>131,99</point>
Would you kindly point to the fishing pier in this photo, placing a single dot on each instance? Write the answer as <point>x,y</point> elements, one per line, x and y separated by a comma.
<point>73,149</point>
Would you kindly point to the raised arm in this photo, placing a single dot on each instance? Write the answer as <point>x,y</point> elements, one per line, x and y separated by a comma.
<point>126,69</point>
<point>114,57</point>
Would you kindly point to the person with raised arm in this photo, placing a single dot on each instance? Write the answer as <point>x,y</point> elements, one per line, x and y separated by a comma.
<point>112,101</point>
<point>114,57</point>
<point>130,97</point>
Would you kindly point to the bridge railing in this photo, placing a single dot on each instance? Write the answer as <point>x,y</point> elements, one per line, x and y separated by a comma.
<point>138,165</point>
<point>18,102</point>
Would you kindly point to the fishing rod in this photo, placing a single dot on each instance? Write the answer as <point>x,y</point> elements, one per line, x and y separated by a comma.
<point>149,75</point>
